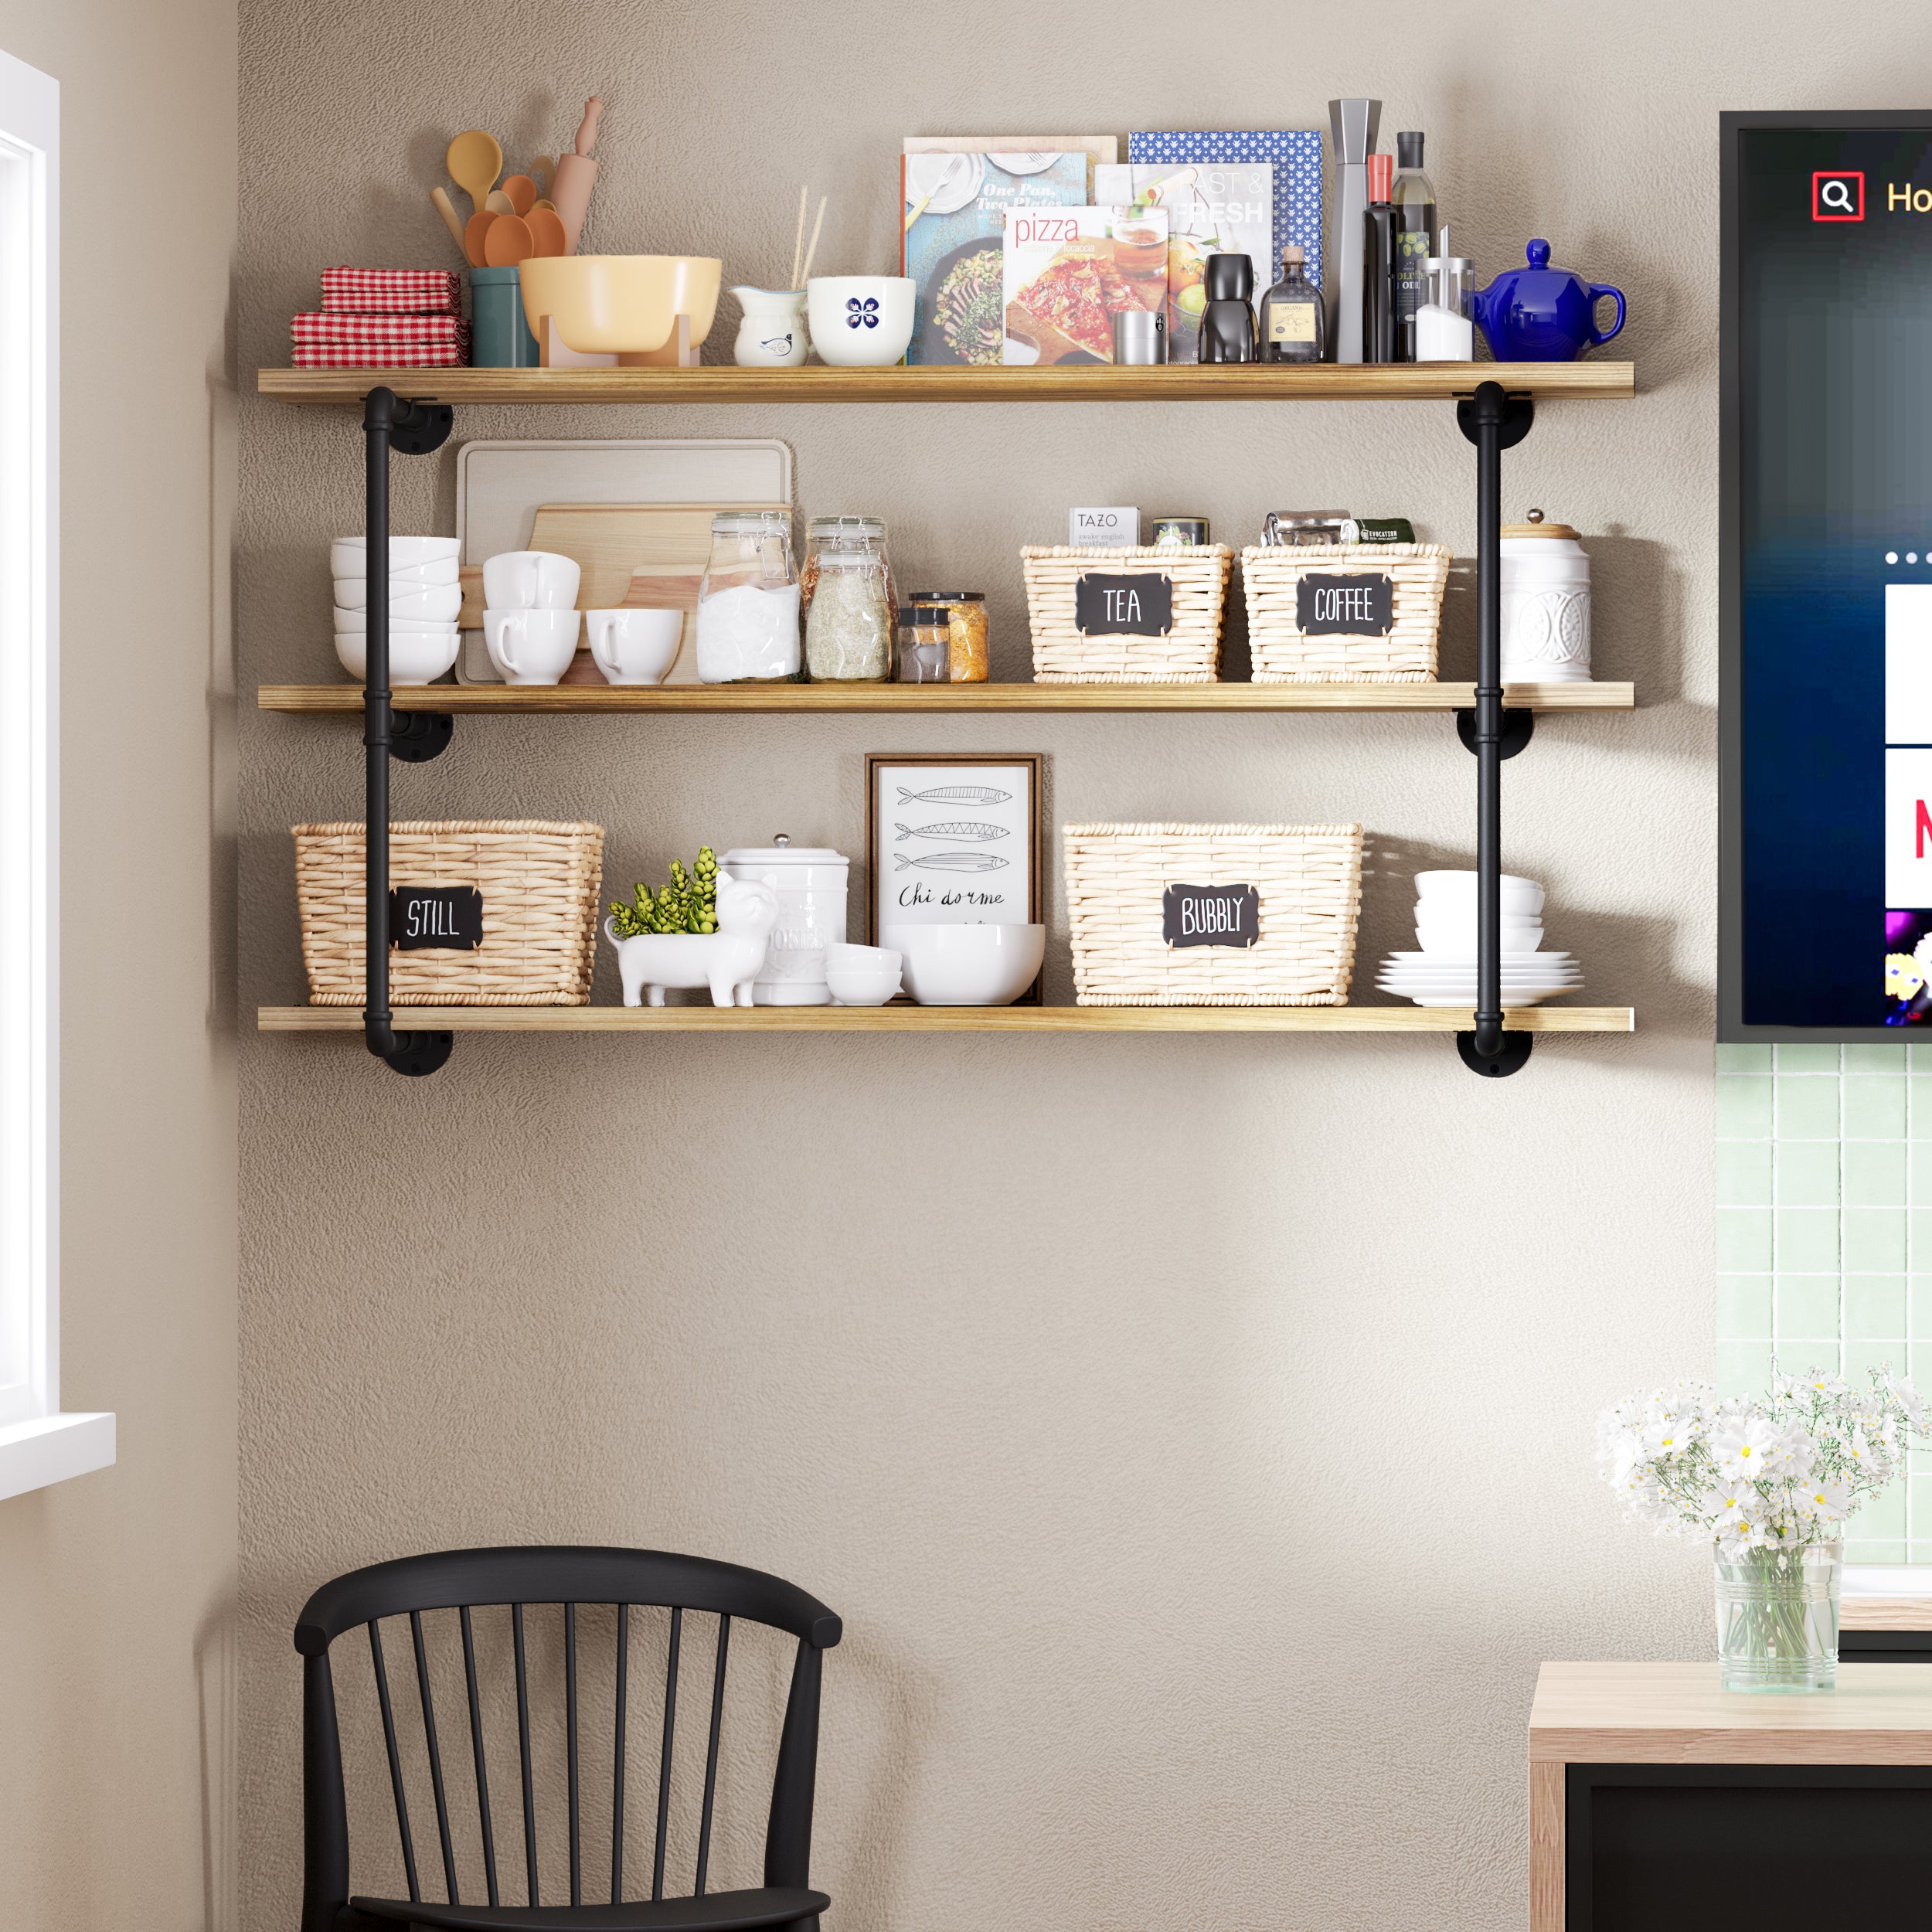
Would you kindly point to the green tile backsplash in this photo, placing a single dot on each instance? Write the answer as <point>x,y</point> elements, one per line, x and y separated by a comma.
<point>1824,1235</point>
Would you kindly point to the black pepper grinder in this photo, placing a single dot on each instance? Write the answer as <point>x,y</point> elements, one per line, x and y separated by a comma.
<point>1227,323</point>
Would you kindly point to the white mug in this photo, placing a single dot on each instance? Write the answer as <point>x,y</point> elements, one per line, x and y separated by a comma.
<point>530,580</point>
<point>634,647</point>
<point>530,647</point>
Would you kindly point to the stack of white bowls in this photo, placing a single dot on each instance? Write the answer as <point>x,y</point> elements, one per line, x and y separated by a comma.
<point>1443,972</point>
<point>424,598</point>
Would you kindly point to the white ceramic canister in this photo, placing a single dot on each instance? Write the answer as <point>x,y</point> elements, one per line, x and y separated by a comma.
<point>810,881</point>
<point>1545,604</point>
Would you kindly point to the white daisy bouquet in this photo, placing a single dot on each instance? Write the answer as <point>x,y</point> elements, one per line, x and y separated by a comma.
<point>1772,1472</point>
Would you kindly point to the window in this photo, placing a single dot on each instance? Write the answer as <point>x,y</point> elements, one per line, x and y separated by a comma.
<point>38,1443</point>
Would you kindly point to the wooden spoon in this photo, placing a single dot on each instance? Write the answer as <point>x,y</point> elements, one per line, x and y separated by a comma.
<point>546,231</point>
<point>475,160</point>
<point>522,193</point>
<point>476,233</point>
<point>508,243</point>
<point>446,209</point>
<point>499,203</point>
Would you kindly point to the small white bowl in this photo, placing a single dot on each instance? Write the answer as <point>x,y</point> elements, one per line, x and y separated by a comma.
<point>406,577</point>
<point>349,555</point>
<point>1444,889</point>
<point>852,987</point>
<point>863,959</point>
<point>969,965</point>
<point>433,604</point>
<point>417,657</point>
<point>358,621</point>
<point>860,322</point>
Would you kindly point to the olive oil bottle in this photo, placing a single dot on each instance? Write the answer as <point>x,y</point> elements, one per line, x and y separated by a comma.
<point>1414,200</point>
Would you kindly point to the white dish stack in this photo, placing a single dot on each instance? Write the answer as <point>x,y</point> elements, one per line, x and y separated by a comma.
<point>1443,972</point>
<point>425,594</point>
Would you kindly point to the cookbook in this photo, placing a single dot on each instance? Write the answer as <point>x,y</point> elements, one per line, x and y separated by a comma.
<point>955,203</point>
<point>1067,271</point>
<point>1295,155</point>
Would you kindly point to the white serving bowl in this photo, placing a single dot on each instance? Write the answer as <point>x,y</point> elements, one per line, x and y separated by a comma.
<point>1458,935</point>
<point>863,959</point>
<point>349,555</point>
<point>860,322</point>
<point>433,604</point>
<point>415,657</point>
<point>969,965</point>
<point>852,986</point>
<point>358,622</point>
<point>1442,889</point>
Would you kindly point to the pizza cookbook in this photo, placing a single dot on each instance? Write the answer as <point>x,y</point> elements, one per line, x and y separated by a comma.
<point>1067,271</point>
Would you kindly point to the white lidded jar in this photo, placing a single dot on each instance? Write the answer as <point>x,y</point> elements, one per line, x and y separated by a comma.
<point>1545,604</point>
<point>810,881</point>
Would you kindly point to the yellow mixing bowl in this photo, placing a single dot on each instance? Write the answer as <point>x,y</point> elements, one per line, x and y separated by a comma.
<point>624,303</point>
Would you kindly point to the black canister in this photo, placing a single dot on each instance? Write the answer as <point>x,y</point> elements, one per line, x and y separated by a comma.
<point>1227,323</point>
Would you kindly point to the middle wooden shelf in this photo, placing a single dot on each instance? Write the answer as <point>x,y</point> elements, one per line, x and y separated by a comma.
<point>908,699</point>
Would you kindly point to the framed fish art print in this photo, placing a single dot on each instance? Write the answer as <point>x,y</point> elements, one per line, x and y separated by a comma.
<point>953,838</point>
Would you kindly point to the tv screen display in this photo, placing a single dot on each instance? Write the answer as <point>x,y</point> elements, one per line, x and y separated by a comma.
<point>1827,577</point>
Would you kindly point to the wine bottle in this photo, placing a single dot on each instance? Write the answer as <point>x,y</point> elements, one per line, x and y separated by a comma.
<point>1414,201</point>
<point>1378,264</point>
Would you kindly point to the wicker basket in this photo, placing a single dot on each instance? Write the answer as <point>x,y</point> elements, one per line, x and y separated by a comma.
<point>1308,878</point>
<point>540,884</point>
<point>1283,654</point>
<point>1190,653</point>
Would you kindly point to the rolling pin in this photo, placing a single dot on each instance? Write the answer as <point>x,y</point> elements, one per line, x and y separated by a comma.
<point>576,174</point>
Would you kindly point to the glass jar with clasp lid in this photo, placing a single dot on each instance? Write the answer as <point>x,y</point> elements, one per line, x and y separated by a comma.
<point>846,590</point>
<point>747,625</point>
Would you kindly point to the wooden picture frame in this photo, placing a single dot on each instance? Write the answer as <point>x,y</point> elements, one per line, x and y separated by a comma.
<point>963,770</point>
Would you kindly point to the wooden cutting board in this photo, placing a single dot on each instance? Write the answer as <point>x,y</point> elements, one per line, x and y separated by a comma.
<point>642,556</point>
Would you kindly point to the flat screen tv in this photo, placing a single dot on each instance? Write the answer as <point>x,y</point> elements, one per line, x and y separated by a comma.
<point>1826,591</point>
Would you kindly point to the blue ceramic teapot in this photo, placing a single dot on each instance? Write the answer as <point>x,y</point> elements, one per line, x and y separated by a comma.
<point>1541,313</point>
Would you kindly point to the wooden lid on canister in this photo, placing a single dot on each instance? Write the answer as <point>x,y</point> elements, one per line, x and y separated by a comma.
<point>1537,527</point>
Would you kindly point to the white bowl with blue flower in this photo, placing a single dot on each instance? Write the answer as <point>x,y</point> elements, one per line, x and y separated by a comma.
<point>860,322</point>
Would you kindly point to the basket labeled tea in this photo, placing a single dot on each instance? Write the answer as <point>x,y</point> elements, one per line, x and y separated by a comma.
<point>1132,615</point>
<point>1345,613</point>
<point>1167,915</point>
<point>482,913</point>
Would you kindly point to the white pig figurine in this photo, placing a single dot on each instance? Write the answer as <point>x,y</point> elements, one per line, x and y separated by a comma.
<point>726,960</point>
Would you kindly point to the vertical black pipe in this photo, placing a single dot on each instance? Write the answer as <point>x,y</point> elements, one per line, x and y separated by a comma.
<point>1489,410</point>
<point>378,415</point>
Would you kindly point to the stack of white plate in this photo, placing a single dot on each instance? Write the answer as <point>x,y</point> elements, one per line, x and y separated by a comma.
<point>1443,972</point>
<point>425,595</point>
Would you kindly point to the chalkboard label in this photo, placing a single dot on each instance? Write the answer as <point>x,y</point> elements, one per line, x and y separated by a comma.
<point>1140,606</point>
<point>1354,607</point>
<point>1210,915</point>
<point>439,918</point>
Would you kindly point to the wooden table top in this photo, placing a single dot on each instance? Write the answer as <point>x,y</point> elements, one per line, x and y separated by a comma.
<point>1675,1714</point>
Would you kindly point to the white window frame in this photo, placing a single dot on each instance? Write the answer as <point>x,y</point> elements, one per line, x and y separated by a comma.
<point>38,1444</point>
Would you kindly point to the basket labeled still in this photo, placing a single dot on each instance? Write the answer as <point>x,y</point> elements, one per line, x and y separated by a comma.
<point>488,912</point>
<point>1132,615</point>
<point>1345,613</point>
<point>1168,915</point>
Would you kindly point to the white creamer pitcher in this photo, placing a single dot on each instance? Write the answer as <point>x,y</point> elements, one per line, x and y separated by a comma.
<point>810,882</point>
<point>772,333</point>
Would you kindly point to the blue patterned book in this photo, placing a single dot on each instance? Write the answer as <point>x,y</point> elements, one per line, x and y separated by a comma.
<point>1295,155</point>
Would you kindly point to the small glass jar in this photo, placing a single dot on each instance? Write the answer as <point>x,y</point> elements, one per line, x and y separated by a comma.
<point>925,640</point>
<point>846,592</point>
<point>966,638</point>
<point>747,627</point>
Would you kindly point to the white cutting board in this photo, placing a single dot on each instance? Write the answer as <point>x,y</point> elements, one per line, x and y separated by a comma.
<point>500,487</point>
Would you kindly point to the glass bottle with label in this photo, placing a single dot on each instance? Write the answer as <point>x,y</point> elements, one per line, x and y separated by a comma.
<point>1414,199</point>
<point>1295,319</point>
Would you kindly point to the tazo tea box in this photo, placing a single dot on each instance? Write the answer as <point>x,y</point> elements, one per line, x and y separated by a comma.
<point>1068,271</point>
<point>1210,211</point>
<point>1102,529</point>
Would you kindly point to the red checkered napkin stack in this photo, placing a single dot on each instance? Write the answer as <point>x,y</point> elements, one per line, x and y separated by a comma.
<point>385,318</point>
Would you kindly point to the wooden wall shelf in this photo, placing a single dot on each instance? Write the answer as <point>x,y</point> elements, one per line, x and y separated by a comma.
<point>944,1019</point>
<point>906,699</point>
<point>1173,382</point>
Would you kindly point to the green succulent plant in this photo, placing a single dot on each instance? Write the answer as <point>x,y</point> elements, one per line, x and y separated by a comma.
<point>689,904</point>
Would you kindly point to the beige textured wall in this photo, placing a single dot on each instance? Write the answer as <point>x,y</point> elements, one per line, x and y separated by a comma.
<point>1194,1433</point>
<point>117,1589</point>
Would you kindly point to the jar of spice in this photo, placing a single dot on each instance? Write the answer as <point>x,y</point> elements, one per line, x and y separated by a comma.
<point>925,639</point>
<point>966,621</point>
<point>848,619</point>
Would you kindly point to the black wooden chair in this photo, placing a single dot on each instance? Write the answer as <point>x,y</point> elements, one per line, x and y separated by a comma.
<point>465,1579</point>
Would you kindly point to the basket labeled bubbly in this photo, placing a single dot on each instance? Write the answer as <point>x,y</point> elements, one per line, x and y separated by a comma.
<point>483,912</point>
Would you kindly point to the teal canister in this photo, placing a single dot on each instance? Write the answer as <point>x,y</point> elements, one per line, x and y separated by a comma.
<point>499,336</point>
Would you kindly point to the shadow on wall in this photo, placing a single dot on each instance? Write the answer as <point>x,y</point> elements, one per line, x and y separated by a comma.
<point>215,1697</point>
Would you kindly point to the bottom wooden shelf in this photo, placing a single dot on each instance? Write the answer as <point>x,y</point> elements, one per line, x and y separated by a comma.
<point>945,1020</point>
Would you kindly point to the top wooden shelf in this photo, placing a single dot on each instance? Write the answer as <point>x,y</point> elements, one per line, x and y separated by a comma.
<point>1096,383</point>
